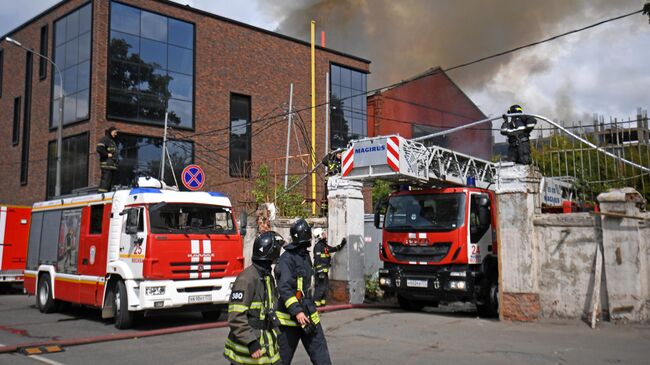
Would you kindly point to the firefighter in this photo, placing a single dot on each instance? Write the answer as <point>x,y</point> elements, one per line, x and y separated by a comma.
<point>518,129</point>
<point>297,312</point>
<point>251,312</point>
<point>332,163</point>
<point>107,149</point>
<point>322,264</point>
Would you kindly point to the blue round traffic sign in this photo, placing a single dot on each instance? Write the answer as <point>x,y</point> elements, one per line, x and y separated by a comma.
<point>193,177</point>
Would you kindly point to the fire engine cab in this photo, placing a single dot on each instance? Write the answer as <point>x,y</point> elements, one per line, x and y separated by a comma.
<point>132,251</point>
<point>14,226</point>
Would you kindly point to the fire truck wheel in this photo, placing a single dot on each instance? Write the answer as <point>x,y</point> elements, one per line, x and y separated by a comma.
<point>409,305</point>
<point>211,315</point>
<point>44,300</point>
<point>490,308</point>
<point>123,316</point>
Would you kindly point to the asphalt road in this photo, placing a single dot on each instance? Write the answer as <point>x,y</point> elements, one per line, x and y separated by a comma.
<point>355,336</point>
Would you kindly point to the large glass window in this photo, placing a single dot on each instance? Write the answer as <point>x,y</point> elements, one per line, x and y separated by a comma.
<point>425,212</point>
<point>140,156</point>
<point>348,106</point>
<point>179,218</point>
<point>240,135</point>
<point>72,49</point>
<point>74,164</point>
<point>151,67</point>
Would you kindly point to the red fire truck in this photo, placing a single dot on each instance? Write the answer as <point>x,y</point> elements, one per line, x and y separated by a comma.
<point>133,251</point>
<point>14,227</point>
<point>438,240</point>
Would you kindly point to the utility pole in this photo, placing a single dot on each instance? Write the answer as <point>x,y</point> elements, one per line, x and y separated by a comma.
<point>59,127</point>
<point>286,164</point>
<point>313,119</point>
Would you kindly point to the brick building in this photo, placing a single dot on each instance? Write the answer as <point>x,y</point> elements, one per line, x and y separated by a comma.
<point>223,84</point>
<point>425,104</point>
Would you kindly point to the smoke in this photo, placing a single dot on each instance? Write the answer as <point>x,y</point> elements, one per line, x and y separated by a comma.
<point>404,38</point>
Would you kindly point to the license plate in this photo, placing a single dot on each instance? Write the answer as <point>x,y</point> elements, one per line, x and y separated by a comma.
<point>199,298</point>
<point>416,283</point>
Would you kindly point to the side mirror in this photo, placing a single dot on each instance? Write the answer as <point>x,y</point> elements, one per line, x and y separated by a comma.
<point>132,221</point>
<point>381,204</point>
<point>243,222</point>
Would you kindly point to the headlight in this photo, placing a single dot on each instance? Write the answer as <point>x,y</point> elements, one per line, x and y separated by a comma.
<point>384,281</point>
<point>155,290</point>
<point>458,285</point>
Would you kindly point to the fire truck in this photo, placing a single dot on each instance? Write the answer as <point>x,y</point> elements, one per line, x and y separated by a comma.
<point>133,251</point>
<point>438,232</point>
<point>14,227</point>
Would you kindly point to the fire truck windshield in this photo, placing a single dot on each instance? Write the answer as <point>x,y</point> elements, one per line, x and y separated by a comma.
<point>191,218</point>
<point>425,212</point>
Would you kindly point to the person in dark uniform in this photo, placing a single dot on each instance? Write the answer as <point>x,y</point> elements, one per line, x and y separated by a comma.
<point>297,312</point>
<point>107,149</point>
<point>518,129</point>
<point>332,163</point>
<point>251,312</point>
<point>322,264</point>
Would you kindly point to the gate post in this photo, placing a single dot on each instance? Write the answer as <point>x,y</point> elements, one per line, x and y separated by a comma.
<point>346,220</point>
<point>518,199</point>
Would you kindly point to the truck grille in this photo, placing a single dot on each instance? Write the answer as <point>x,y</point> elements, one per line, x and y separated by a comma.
<point>433,253</point>
<point>184,268</point>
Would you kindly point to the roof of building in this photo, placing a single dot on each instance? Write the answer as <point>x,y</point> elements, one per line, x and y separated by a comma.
<point>204,13</point>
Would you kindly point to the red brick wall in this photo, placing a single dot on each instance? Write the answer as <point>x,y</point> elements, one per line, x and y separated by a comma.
<point>433,100</point>
<point>229,58</point>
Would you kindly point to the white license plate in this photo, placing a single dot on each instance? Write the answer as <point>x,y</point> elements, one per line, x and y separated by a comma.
<point>416,283</point>
<point>199,298</point>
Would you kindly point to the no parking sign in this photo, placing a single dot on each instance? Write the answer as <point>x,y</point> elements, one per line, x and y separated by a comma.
<point>193,177</point>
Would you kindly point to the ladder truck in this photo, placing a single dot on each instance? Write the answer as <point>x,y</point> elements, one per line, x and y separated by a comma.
<point>438,232</point>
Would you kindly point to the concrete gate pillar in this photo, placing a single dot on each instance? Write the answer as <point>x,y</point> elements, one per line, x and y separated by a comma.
<point>345,219</point>
<point>517,195</point>
<point>625,255</point>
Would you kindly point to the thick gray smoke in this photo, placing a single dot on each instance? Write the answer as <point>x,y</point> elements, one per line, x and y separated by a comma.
<point>407,37</point>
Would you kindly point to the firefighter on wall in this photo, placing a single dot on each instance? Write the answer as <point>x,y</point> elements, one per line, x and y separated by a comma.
<point>296,310</point>
<point>107,149</point>
<point>518,129</point>
<point>322,264</point>
<point>251,312</point>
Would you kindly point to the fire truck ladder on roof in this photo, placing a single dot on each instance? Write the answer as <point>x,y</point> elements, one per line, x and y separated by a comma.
<point>400,160</point>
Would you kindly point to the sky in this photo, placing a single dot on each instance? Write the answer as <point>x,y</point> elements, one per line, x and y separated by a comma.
<point>603,70</point>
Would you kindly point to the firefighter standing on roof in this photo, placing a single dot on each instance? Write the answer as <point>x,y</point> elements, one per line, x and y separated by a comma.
<point>296,310</point>
<point>251,312</point>
<point>518,129</point>
<point>107,149</point>
<point>322,264</point>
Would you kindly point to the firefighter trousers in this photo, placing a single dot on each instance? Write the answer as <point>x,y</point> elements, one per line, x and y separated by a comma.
<point>321,288</point>
<point>519,153</point>
<point>106,182</point>
<point>315,345</point>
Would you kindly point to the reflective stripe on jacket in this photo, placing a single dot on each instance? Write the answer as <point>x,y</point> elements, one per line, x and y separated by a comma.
<point>322,255</point>
<point>105,146</point>
<point>293,274</point>
<point>252,298</point>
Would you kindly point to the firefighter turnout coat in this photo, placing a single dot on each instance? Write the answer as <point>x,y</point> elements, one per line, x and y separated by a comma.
<point>251,316</point>
<point>293,274</point>
<point>107,146</point>
<point>322,255</point>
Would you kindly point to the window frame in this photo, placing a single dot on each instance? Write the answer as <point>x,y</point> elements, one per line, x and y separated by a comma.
<point>249,131</point>
<point>47,175</point>
<point>27,116</point>
<point>15,133</point>
<point>363,113</point>
<point>2,64</point>
<point>108,58</point>
<point>90,71</point>
<point>42,63</point>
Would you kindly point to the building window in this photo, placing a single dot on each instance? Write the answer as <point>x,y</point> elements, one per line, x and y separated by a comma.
<point>419,130</point>
<point>74,164</point>
<point>15,134</point>
<point>348,106</point>
<point>2,61</point>
<point>240,135</point>
<point>151,68</point>
<point>140,156</point>
<point>42,62</point>
<point>72,50</point>
<point>27,117</point>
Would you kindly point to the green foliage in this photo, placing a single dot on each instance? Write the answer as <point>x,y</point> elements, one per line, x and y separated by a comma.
<point>288,204</point>
<point>380,189</point>
<point>373,292</point>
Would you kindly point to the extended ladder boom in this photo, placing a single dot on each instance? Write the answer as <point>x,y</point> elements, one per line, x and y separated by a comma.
<point>395,158</point>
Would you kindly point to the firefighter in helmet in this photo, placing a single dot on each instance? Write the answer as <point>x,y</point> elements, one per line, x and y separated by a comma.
<point>518,129</point>
<point>297,312</point>
<point>322,263</point>
<point>251,312</point>
<point>107,150</point>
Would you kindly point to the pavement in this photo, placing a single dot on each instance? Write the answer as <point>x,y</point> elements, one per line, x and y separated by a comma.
<point>355,336</point>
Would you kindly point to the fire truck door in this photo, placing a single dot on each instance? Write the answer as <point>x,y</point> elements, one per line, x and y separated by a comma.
<point>92,252</point>
<point>134,237</point>
<point>480,228</point>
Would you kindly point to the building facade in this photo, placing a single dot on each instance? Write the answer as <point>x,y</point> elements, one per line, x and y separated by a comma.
<point>426,104</point>
<point>222,85</point>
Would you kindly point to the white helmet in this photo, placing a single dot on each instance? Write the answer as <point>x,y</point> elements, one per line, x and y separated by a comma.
<point>317,232</point>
